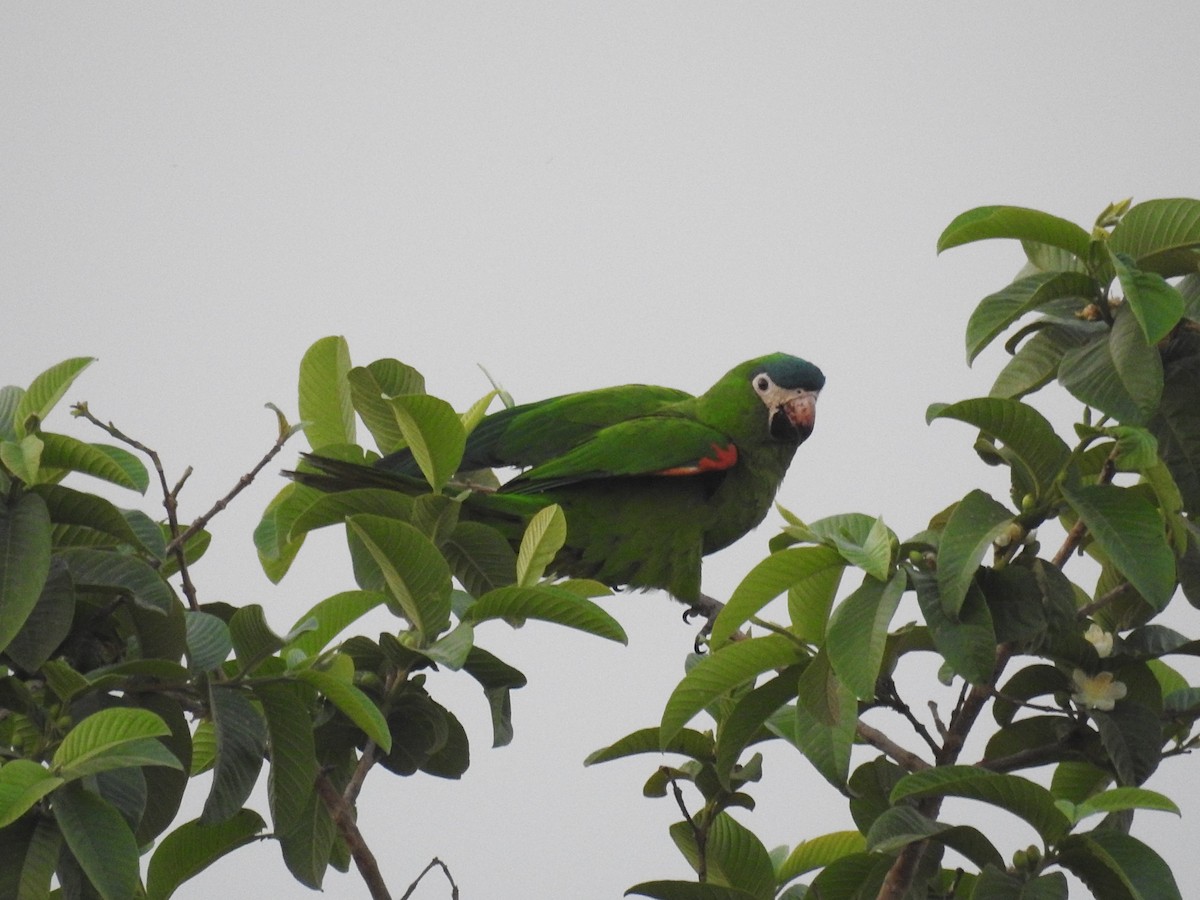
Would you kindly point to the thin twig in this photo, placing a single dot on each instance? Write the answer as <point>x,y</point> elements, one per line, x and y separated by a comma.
<point>1086,611</point>
<point>892,700</point>
<point>244,482</point>
<point>432,863</point>
<point>170,497</point>
<point>698,833</point>
<point>342,814</point>
<point>906,759</point>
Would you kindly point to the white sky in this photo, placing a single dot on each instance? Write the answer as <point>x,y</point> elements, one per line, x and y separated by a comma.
<point>572,195</point>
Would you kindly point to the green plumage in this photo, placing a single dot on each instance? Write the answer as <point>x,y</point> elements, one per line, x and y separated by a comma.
<point>650,479</point>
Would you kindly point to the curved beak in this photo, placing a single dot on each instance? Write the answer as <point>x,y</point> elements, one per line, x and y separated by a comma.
<point>797,414</point>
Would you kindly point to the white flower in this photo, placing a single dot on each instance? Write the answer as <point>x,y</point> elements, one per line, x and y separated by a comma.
<point>1100,639</point>
<point>1097,691</point>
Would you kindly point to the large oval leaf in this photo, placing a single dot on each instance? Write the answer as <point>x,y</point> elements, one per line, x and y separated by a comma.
<point>973,526</point>
<point>1019,796</point>
<point>45,391</point>
<point>193,847</point>
<point>24,560</point>
<point>103,461</point>
<point>1160,235</point>
<point>858,631</point>
<point>997,311</point>
<point>1119,374</point>
<point>1157,305</point>
<point>1018,223</point>
<point>1130,531</point>
<point>325,406</point>
<point>1030,444</point>
<point>544,537</point>
<point>395,557</point>
<point>779,572</point>
<point>100,841</point>
<point>434,434</point>
<point>549,603</point>
<point>1117,865</point>
<point>722,670</point>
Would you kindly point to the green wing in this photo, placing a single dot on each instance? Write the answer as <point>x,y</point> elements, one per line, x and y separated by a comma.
<point>534,433</point>
<point>666,444</point>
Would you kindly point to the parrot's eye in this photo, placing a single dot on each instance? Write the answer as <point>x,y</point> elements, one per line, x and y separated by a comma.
<point>762,383</point>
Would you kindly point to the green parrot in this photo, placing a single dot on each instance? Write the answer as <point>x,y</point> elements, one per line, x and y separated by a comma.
<point>650,479</point>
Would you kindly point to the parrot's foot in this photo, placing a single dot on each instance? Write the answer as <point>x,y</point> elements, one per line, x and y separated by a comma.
<point>709,608</point>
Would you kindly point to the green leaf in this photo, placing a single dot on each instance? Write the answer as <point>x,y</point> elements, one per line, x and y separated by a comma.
<point>371,388</point>
<point>48,623</point>
<point>1115,865</point>
<point>24,560</point>
<point>29,852</point>
<point>108,463</point>
<point>253,639</point>
<point>738,858</point>
<point>1132,736</point>
<point>22,784</point>
<point>24,458</point>
<point>1157,306</point>
<point>45,391</point>
<point>544,537</point>
<point>120,573</point>
<point>690,743</point>
<point>744,722</point>
<point>71,507</point>
<point>332,615</point>
<point>434,434</point>
<point>100,840</point>
<point>1130,532</point>
<point>968,644</point>
<point>325,405</point>
<point>241,741</point>
<point>790,569</point>
<point>395,557</point>
<point>193,847</point>
<point>10,399</point>
<point>104,732</point>
<point>1038,359</point>
<point>818,852</point>
<point>1160,235</point>
<point>994,883</point>
<point>208,640</point>
<point>549,603</point>
<point>1030,445</point>
<point>826,746</point>
<point>293,752</point>
<point>1121,374</point>
<point>1018,223</point>
<point>480,557</point>
<point>356,705</point>
<point>1019,796</point>
<point>1177,428</point>
<point>498,680</point>
<point>308,848</point>
<point>973,527</point>
<point>1123,798</point>
<point>998,311</point>
<point>903,825</point>
<point>130,755</point>
<point>858,631</point>
<point>722,671</point>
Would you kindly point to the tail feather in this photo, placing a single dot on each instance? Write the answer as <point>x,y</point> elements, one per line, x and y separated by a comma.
<point>328,474</point>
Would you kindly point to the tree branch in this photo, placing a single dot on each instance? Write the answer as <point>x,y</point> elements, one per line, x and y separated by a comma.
<point>343,817</point>
<point>433,862</point>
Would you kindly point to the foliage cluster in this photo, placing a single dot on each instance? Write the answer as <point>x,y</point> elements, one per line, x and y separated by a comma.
<point>1077,678</point>
<point>103,664</point>
<point>115,690</point>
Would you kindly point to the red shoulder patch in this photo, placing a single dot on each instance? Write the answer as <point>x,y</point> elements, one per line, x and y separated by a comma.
<point>723,457</point>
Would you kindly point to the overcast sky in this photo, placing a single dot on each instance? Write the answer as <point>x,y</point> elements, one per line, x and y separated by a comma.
<point>572,195</point>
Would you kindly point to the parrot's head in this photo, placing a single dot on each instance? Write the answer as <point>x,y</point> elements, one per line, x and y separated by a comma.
<point>788,387</point>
